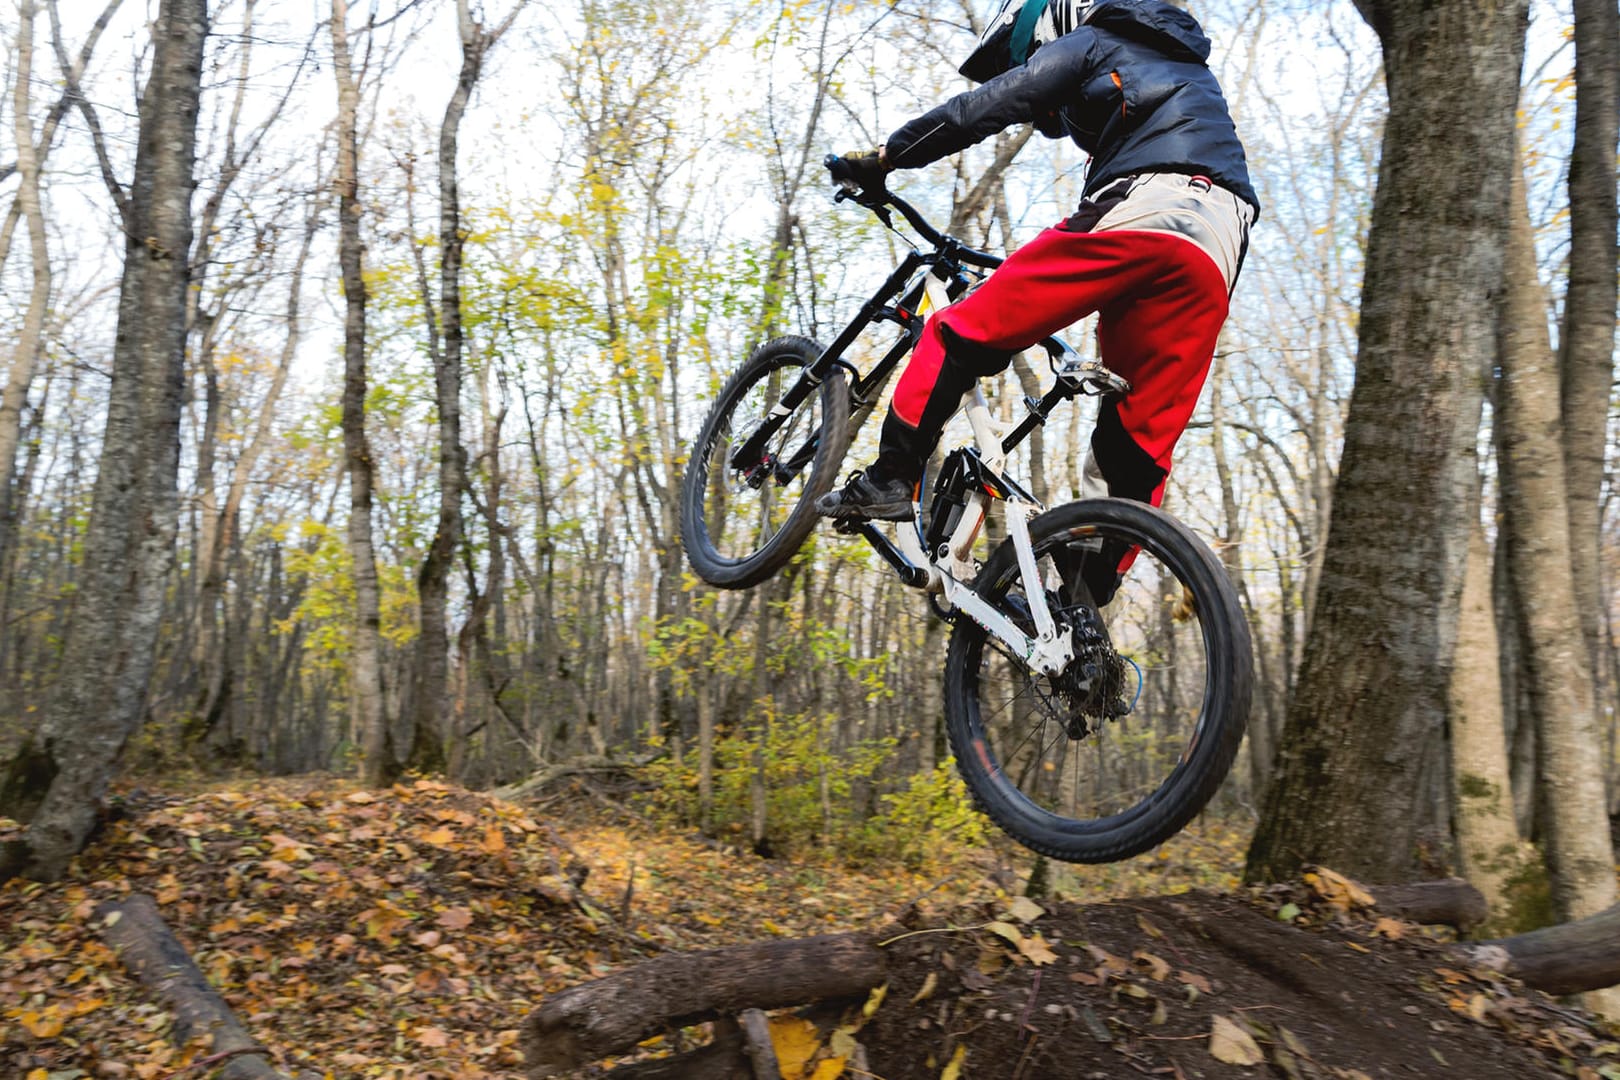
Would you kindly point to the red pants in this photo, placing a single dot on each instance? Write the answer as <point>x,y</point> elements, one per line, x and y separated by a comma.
<point>1162,301</point>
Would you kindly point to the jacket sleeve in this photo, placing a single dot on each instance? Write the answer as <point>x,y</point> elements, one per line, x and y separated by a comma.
<point>1026,94</point>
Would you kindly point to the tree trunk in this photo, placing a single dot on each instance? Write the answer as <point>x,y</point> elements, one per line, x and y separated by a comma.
<point>594,1019</point>
<point>26,352</point>
<point>59,776</point>
<point>1488,845</point>
<point>1586,344</point>
<point>1557,664</point>
<point>1366,725</point>
<point>427,742</point>
<point>377,763</point>
<point>1231,552</point>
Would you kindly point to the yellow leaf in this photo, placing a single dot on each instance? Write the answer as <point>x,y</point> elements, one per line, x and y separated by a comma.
<point>42,1026</point>
<point>927,990</point>
<point>796,1041</point>
<point>1037,950</point>
<point>1338,890</point>
<point>1390,928</point>
<point>432,1036</point>
<point>1005,930</point>
<point>1148,928</point>
<point>953,1070</point>
<point>827,1069</point>
<point>873,1000</point>
<point>439,837</point>
<point>494,840</point>
<point>1233,1045</point>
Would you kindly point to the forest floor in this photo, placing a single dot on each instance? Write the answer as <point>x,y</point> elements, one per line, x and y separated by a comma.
<point>406,933</point>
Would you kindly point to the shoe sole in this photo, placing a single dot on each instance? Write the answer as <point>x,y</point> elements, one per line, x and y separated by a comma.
<point>876,512</point>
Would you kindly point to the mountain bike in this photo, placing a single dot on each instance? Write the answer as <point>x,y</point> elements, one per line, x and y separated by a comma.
<point>1092,713</point>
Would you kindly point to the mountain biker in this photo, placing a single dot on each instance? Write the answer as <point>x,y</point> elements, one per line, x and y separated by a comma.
<point>1154,247</point>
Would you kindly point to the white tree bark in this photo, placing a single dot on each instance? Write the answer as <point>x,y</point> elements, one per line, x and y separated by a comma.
<point>25,354</point>
<point>365,660</point>
<point>1557,663</point>
<point>1487,836</point>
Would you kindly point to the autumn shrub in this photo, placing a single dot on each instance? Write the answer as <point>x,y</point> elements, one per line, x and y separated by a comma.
<point>924,822</point>
<point>809,784</point>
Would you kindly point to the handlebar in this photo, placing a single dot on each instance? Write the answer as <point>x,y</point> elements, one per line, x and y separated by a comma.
<point>879,200</point>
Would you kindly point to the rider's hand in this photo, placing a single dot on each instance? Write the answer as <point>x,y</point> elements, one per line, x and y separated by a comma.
<point>865,169</point>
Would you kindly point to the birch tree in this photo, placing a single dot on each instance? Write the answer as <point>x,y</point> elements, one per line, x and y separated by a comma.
<point>56,781</point>
<point>377,764</point>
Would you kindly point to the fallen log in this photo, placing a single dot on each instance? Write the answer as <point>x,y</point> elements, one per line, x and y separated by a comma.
<point>149,949</point>
<point>585,766</point>
<point>595,1019</point>
<point>1571,958</point>
<point>1451,902</point>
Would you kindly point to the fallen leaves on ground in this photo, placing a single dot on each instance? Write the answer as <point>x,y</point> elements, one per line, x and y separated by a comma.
<point>404,934</point>
<point>394,933</point>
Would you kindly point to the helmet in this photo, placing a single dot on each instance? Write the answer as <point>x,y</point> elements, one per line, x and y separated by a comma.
<point>1017,29</point>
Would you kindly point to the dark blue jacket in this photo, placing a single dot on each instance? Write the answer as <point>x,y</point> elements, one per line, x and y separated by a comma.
<point>1131,87</point>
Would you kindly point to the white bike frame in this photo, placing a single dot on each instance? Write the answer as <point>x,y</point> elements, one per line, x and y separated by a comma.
<point>951,569</point>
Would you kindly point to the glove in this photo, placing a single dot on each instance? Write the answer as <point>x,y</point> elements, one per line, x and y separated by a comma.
<point>862,168</point>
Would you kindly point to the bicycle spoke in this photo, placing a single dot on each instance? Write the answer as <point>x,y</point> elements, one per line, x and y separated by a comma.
<point>1137,716</point>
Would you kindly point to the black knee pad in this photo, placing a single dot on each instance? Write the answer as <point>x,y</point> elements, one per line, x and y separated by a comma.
<point>975,359</point>
<point>1130,470</point>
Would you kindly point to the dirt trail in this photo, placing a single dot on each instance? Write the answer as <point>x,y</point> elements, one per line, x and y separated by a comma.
<point>404,934</point>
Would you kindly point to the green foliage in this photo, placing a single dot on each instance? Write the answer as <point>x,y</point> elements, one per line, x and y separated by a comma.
<point>811,794</point>
<point>808,785</point>
<point>923,823</point>
<point>326,607</point>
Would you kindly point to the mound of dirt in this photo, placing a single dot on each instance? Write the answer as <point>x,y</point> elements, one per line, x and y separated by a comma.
<point>1206,985</point>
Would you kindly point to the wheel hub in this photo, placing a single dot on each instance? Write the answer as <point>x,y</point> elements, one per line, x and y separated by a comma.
<point>1092,688</point>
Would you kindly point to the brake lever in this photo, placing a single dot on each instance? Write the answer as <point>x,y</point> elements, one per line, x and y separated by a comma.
<point>873,202</point>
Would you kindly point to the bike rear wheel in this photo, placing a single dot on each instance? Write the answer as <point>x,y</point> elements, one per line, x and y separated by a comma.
<point>1060,763</point>
<point>739,527</point>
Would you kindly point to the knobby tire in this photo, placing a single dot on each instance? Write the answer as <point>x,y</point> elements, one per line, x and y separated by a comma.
<point>707,465</point>
<point>1215,736</point>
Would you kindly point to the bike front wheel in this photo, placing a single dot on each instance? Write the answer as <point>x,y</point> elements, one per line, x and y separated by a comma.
<point>740,526</point>
<point>1117,753</point>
